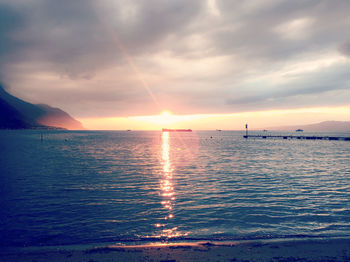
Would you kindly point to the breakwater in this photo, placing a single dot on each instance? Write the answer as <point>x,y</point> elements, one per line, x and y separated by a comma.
<point>299,137</point>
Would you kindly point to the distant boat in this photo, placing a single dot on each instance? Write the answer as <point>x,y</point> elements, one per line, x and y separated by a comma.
<point>218,130</point>
<point>176,130</point>
<point>299,130</point>
<point>265,130</point>
<point>128,130</point>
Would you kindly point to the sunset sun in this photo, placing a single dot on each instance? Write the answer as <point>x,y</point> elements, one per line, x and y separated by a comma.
<point>166,113</point>
<point>164,119</point>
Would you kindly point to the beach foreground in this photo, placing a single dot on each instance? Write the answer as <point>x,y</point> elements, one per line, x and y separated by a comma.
<point>287,250</point>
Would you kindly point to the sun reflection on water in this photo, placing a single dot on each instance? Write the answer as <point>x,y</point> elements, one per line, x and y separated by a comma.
<point>167,189</point>
<point>165,153</point>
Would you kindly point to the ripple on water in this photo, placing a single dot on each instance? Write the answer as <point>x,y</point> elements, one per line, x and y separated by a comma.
<point>81,187</point>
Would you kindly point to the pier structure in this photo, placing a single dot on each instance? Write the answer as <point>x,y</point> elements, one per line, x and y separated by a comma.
<point>304,137</point>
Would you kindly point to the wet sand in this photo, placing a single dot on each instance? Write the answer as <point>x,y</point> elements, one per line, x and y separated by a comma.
<point>286,250</point>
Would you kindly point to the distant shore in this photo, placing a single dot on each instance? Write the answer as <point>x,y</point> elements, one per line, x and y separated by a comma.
<point>271,250</point>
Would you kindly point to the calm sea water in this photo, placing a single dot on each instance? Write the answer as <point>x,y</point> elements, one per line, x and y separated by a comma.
<point>126,187</point>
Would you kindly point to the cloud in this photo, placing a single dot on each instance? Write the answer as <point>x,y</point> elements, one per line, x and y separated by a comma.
<point>10,21</point>
<point>79,37</point>
<point>105,58</point>
<point>344,48</point>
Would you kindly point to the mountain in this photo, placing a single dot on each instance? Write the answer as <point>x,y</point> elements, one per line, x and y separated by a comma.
<point>18,114</point>
<point>326,126</point>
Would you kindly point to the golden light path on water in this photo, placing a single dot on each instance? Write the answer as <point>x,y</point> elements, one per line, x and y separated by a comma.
<point>167,188</point>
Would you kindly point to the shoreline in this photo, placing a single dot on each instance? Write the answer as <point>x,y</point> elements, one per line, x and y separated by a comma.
<point>334,249</point>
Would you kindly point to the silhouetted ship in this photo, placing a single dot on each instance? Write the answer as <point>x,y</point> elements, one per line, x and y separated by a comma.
<point>299,130</point>
<point>176,130</point>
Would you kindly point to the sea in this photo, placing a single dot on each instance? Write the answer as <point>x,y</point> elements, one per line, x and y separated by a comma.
<point>74,188</point>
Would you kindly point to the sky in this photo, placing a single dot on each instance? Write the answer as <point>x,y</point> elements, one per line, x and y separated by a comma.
<point>120,64</point>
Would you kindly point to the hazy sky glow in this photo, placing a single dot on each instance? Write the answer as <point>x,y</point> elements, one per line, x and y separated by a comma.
<point>210,62</point>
